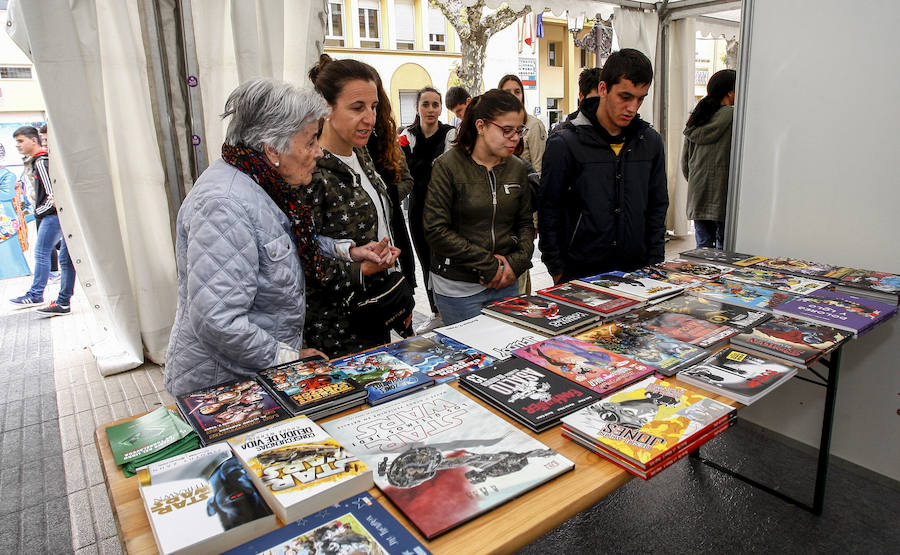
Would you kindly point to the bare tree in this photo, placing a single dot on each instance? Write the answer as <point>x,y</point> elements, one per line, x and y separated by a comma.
<point>474,28</point>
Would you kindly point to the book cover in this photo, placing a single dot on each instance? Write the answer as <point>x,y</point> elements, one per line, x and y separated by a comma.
<point>840,310</point>
<point>298,468</point>
<point>693,268</point>
<point>646,420</point>
<point>883,282</point>
<point>630,285</point>
<point>738,293</point>
<point>544,315</point>
<point>667,276</point>
<point>228,409</point>
<point>663,353</point>
<point>439,357</point>
<point>682,327</point>
<point>712,311</point>
<point>202,502</point>
<point>775,280</point>
<point>383,375</point>
<point>141,438</point>
<point>489,335</point>
<point>718,256</point>
<point>443,459</point>
<point>800,267</point>
<point>792,339</point>
<point>738,375</point>
<point>585,363</point>
<point>532,395</point>
<point>356,525</point>
<point>309,387</point>
<point>599,301</point>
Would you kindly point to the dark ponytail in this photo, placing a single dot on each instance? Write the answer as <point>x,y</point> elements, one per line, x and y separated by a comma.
<point>719,85</point>
<point>329,76</point>
<point>486,106</point>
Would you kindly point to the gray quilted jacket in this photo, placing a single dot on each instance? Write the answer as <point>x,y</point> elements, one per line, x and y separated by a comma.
<point>240,283</point>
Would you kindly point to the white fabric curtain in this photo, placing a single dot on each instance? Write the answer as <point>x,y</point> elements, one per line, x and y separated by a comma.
<point>638,29</point>
<point>682,40</point>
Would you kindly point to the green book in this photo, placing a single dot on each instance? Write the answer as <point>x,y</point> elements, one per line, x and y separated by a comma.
<point>144,438</point>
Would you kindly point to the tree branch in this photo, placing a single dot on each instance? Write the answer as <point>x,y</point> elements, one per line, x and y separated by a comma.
<point>502,19</point>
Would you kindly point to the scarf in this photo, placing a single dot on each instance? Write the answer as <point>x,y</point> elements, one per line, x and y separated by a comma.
<point>254,165</point>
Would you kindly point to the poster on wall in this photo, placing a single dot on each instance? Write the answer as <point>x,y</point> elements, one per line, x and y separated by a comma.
<point>528,72</point>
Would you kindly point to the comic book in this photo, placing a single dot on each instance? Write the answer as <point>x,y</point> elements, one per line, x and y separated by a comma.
<point>646,422</point>
<point>298,468</point>
<point>491,336</point>
<point>800,267</point>
<point>667,276</point>
<point>605,303</point>
<point>738,375</point>
<point>311,387</point>
<point>712,311</point>
<point>532,395</point>
<point>584,363</point>
<point>881,286</point>
<point>776,280</point>
<point>791,339</point>
<point>202,502</point>
<point>694,268</point>
<point>718,256</point>
<point>443,459</point>
<point>682,327</point>
<point>839,310</point>
<point>384,376</point>
<point>546,316</point>
<point>630,285</point>
<point>439,357</point>
<point>738,293</point>
<point>663,353</point>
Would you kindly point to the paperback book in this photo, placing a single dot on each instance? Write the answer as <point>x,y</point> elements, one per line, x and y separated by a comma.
<point>202,502</point>
<point>443,459</point>
<point>630,285</point>
<point>694,268</point>
<point>312,387</point>
<point>489,335</point>
<point>800,267</point>
<point>666,276</point>
<point>881,286</point>
<point>157,435</point>
<point>718,256</point>
<point>605,303</point>
<point>533,396</point>
<point>712,311</point>
<point>663,353</point>
<point>683,327</point>
<point>584,363</point>
<point>298,468</point>
<point>791,339</point>
<point>439,357</point>
<point>543,315</point>
<point>738,375</point>
<point>839,310</point>
<point>385,376</point>
<point>737,293</point>
<point>795,285</point>
<point>221,411</point>
<point>356,525</point>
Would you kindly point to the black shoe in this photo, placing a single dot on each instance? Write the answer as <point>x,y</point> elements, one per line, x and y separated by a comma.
<point>54,309</point>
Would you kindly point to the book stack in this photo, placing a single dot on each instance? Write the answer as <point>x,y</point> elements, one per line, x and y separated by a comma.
<point>738,375</point>
<point>541,314</point>
<point>157,435</point>
<point>737,317</point>
<point>665,354</point>
<point>385,377</point>
<point>647,426</point>
<point>683,327</point>
<point>793,340</point>
<point>839,310</point>
<point>439,357</point>
<point>881,286</point>
<point>489,335</point>
<point>632,286</point>
<point>202,502</point>
<point>312,388</point>
<point>601,302</point>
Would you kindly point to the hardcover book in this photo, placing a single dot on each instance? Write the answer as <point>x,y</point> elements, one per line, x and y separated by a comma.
<point>443,459</point>
<point>157,435</point>
<point>439,357</point>
<point>717,256</point>
<point>775,280</point>
<point>356,525</point>
<point>298,468</point>
<point>384,376</point>
<point>738,375</point>
<point>682,327</point>
<point>221,411</point>
<point>791,339</point>
<point>666,276</point>
<point>605,303</point>
<point>839,310</point>
<point>712,311</point>
<point>202,502</point>
<point>584,363</point>
<point>491,336</point>
<point>694,268</point>
<point>879,285</point>
<point>738,293</point>
<point>663,353</point>
<point>543,315</point>
<point>800,267</point>
<point>533,396</point>
<point>311,387</point>
<point>630,285</point>
<point>648,421</point>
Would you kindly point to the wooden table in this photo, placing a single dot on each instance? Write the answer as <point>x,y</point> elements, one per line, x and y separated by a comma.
<point>502,530</point>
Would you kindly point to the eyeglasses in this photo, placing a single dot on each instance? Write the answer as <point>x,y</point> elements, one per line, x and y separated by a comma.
<point>508,130</point>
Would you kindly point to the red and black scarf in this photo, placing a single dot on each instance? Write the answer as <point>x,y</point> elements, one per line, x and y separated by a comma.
<point>254,165</point>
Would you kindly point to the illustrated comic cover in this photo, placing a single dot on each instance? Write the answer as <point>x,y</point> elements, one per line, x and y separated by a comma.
<point>584,363</point>
<point>712,311</point>
<point>383,375</point>
<point>545,315</point>
<point>310,386</point>
<point>738,293</point>
<point>682,327</point>
<point>439,357</point>
<point>718,256</point>
<point>599,301</point>
<point>800,267</point>
<point>840,310</point>
<point>792,338</point>
<point>870,280</point>
<point>694,268</point>
<point>738,375</point>
<point>776,280</point>
<point>443,459</point>
<point>666,276</point>
<point>663,353</point>
<point>489,335</point>
<point>630,285</point>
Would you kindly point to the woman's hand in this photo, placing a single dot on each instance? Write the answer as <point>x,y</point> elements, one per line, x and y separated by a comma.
<point>388,256</point>
<point>375,252</point>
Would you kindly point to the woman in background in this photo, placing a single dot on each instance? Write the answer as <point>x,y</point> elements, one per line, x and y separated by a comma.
<point>535,138</point>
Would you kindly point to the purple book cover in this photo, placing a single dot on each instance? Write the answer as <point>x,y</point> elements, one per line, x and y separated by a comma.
<point>840,310</point>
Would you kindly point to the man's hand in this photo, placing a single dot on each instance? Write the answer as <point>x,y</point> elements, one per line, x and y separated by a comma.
<point>504,276</point>
<point>556,278</point>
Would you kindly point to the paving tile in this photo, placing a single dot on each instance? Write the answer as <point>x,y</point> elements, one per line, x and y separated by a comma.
<point>81,519</point>
<point>85,423</point>
<point>143,383</point>
<point>98,394</point>
<point>111,546</point>
<point>92,372</point>
<point>103,517</point>
<point>65,402</point>
<point>93,471</point>
<point>87,550</point>
<point>103,415</point>
<point>82,398</point>
<point>48,407</point>
<point>32,485</point>
<point>48,384</point>
<point>74,468</point>
<point>54,477</point>
<point>59,533</point>
<point>10,485</point>
<point>31,413</point>
<point>9,536</point>
<point>13,418</point>
<point>11,456</point>
<point>52,442</point>
<point>129,387</point>
<point>14,390</point>
<point>32,442</point>
<point>33,528</point>
<point>68,432</point>
<point>114,391</point>
<point>120,410</point>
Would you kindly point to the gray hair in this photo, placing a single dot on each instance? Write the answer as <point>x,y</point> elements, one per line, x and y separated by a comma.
<point>270,112</point>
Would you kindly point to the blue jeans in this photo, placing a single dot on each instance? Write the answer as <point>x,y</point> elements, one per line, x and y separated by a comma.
<point>49,234</point>
<point>709,233</point>
<point>457,309</point>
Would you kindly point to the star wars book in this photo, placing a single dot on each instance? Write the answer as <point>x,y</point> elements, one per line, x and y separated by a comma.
<point>157,435</point>
<point>631,286</point>
<point>712,311</point>
<point>443,459</point>
<point>739,293</point>
<point>738,375</point>
<point>852,313</point>
<point>791,339</point>
<point>356,525</point>
<point>221,411</point>
<point>202,502</point>
<point>489,335</point>
<point>648,421</point>
<point>795,285</point>
<point>693,268</point>
<point>584,363</point>
<point>386,377</point>
<point>439,357</point>
<point>311,387</point>
<point>800,267</point>
<point>682,327</point>
<point>546,316</point>
<point>665,354</point>
<point>881,286</point>
<point>718,256</point>
<point>606,304</point>
<point>533,396</point>
<point>299,468</point>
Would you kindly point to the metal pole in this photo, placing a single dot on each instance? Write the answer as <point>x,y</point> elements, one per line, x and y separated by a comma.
<point>834,366</point>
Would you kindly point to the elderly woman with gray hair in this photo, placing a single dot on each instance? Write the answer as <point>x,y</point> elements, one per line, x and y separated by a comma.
<point>242,241</point>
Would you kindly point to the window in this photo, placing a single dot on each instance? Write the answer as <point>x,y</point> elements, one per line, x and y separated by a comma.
<point>334,34</point>
<point>15,72</point>
<point>369,24</point>
<point>406,24</point>
<point>701,77</point>
<point>554,113</point>
<point>437,29</point>
<point>553,52</point>
<point>407,107</point>
<point>587,58</point>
